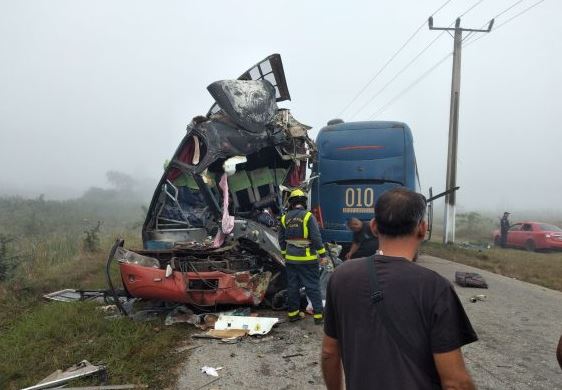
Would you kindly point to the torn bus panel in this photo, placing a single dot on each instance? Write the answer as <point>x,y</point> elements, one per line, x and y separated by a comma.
<point>203,278</point>
<point>260,150</point>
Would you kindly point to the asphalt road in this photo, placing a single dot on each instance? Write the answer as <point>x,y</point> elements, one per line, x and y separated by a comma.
<point>518,325</point>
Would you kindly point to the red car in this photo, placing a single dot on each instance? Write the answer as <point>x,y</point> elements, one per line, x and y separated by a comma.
<point>532,236</point>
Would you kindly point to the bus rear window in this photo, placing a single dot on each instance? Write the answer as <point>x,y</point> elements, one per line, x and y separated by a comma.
<point>363,144</point>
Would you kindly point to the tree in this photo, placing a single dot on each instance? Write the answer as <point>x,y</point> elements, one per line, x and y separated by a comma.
<point>121,181</point>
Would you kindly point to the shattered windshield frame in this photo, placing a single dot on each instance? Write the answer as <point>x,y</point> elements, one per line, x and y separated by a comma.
<point>270,69</point>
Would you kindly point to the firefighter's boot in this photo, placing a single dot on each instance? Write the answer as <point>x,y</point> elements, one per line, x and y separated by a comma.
<point>295,316</point>
<point>318,319</point>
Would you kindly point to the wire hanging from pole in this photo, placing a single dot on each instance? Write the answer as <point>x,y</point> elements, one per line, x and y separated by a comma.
<point>410,38</point>
<point>401,71</point>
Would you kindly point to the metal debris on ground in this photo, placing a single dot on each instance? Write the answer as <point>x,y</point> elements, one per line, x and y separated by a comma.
<point>108,387</point>
<point>480,247</point>
<point>112,299</point>
<point>204,321</point>
<point>476,298</point>
<point>80,370</point>
<point>212,371</point>
<point>182,314</point>
<point>291,356</point>
<point>224,335</point>
<point>72,295</point>
<point>470,279</point>
<point>147,314</point>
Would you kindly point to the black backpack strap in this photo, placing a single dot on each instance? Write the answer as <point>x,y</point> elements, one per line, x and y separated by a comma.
<point>377,297</point>
<point>376,291</point>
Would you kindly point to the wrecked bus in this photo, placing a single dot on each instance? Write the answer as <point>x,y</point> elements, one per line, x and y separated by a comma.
<point>210,234</point>
<point>356,162</point>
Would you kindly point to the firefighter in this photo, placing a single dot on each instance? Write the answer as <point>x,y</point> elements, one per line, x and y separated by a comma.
<point>504,228</point>
<point>302,247</point>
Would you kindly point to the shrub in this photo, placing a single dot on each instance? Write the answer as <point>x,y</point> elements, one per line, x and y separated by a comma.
<point>91,241</point>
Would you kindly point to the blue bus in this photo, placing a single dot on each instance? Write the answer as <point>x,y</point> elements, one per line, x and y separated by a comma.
<point>358,161</point>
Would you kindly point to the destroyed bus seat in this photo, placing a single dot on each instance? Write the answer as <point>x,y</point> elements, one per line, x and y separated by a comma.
<point>241,190</point>
<point>194,209</point>
<point>186,181</point>
<point>264,180</point>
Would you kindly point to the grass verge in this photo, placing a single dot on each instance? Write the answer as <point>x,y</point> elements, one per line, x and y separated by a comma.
<point>38,337</point>
<point>544,269</point>
<point>58,335</point>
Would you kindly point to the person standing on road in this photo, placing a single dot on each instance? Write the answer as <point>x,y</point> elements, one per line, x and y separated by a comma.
<point>301,245</point>
<point>364,243</point>
<point>392,323</point>
<point>504,228</point>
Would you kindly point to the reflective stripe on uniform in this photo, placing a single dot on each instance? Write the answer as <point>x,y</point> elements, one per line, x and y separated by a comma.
<point>293,313</point>
<point>283,220</point>
<point>298,243</point>
<point>318,316</point>
<point>305,224</point>
<point>321,251</point>
<point>284,252</point>
<point>301,258</point>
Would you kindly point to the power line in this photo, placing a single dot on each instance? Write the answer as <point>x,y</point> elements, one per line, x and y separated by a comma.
<point>409,87</point>
<point>501,13</point>
<point>507,21</point>
<point>401,71</point>
<point>471,8</point>
<point>397,75</point>
<point>436,65</point>
<point>391,59</point>
<point>508,8</point>
<point>519,14</point>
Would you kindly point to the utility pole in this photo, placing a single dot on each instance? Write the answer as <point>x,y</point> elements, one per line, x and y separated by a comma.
<point>451,182</point>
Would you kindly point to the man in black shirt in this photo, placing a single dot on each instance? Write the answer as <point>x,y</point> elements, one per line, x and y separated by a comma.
<point>414,340</point>
<point>364,243</point>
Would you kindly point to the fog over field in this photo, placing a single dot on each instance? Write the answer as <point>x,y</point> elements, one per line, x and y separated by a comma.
<point>92,86</point>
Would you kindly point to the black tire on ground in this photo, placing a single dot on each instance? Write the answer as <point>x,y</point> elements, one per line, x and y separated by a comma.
<point>279,301</point>
<point>497,241</point>
<point>530,246</point>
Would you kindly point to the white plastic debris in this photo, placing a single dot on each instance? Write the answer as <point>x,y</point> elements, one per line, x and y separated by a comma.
<point>229,165</point>
<point>253,325</point>
<point>212,371</point>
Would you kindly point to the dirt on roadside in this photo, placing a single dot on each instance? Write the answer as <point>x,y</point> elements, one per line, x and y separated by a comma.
<point>287,358</point>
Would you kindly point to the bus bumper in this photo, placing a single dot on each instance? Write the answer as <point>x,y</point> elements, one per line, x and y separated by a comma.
<point>338,236</point>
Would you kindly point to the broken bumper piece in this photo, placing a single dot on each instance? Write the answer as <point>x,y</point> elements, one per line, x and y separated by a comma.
<point>199,288</point>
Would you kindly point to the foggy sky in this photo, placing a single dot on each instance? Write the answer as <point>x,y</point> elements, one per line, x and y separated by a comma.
<point>92,86</point>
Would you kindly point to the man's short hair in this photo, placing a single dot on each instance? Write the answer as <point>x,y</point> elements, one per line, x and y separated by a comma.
<point>399,211</point>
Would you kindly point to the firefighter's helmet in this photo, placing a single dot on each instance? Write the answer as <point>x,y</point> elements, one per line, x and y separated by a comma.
<point>297,196</point>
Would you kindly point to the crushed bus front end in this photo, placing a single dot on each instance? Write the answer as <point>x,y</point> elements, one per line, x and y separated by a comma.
<point>210,234</point>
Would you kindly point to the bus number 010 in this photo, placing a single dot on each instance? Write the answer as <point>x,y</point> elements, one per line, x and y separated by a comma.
<point>357,197</point>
